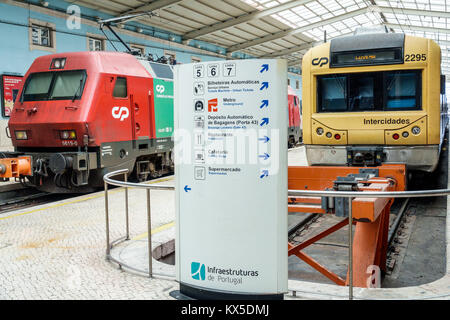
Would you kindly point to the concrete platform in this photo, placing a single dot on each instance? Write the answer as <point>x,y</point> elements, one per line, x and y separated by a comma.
<point>57,251</point>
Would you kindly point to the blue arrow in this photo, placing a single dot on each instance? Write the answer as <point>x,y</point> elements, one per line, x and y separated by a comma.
<point>265,173</point>
<point>264,121</point>
<point>265,67</point>
<point>186,188</point>
<point>265,85</point>
<point>265,139</point>
<point>265,103</point>
<point>265,156</point>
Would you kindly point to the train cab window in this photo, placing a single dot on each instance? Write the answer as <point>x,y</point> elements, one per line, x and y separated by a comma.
<point>369,91</point>
<point>60,85</point>
<point>68,85</point>
<point>401,90</point>
<point>332,93</point>
<point>120,88</point>
<point>37,86</point>
<point>361,93</point>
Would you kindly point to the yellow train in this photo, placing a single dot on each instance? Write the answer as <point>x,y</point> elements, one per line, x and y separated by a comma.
<point>374,98</point>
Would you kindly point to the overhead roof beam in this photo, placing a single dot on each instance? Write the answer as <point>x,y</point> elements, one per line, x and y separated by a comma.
<point>258,14</point>
<point>153,5</point>
<point>291,50</point>
<point>417,28</point>
<point>413,12</point>
<point>291,31</point>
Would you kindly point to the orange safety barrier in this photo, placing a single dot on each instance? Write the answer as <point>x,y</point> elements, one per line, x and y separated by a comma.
<point>15,167</point>
<point>371,215</point>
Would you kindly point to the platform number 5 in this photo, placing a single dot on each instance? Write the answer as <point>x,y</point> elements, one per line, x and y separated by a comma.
<point>213,70</point>
<point>198,71</point>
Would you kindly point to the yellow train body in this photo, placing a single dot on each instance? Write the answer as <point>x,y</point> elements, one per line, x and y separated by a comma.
<point>383,130</point>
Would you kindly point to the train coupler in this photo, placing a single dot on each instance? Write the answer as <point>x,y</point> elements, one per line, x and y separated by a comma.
<point>15,167</point>
<point>351,182</point>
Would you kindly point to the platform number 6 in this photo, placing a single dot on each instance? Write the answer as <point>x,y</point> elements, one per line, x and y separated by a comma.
<point>213,70</point>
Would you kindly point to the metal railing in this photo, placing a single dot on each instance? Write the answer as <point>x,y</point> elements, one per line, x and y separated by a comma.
<point>291,193</point>
<point>365,194</point>
<point>109,245</point>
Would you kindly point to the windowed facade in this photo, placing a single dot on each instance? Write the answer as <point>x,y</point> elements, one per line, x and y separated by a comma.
<point>371,91</point>
<point>171,56</point>
<point>137,48</point>
<point>95,44</point>
<point>41,36</point>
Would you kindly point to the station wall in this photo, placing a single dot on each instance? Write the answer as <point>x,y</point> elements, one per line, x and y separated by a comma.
<point>17,51</point>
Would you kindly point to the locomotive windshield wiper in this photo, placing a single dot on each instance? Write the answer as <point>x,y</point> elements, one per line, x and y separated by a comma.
<point>79,88</point>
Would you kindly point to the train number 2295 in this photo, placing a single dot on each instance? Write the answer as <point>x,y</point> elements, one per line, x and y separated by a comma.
<point>415,57</point>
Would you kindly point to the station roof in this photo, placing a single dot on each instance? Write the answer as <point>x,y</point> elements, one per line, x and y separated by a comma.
<point>285,28</point>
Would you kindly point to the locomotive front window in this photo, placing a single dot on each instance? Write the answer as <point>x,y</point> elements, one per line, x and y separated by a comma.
<point>57,85</point>
<point>333,90</point>
<point>37,86</point>
<point>402,90</point>
<point>68,85</point>
<point>369,91</point>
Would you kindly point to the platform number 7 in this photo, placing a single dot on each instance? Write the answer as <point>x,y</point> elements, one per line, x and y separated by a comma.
<point>229,69</point>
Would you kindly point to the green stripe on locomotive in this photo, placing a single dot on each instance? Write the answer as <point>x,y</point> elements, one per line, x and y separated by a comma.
<point>163,102</point>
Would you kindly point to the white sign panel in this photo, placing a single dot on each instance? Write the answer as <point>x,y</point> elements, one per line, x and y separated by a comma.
<point>231,176</point>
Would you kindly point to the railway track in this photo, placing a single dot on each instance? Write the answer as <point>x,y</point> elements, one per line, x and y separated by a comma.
<point>27,197</point>
<point>333,249</point>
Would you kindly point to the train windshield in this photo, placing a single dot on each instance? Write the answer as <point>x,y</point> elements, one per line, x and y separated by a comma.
<point>60,85</point>
<point>370,91</point>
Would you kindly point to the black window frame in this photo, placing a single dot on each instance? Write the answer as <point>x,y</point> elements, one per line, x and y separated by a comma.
<point>51,87</point>
<point>380,93</point>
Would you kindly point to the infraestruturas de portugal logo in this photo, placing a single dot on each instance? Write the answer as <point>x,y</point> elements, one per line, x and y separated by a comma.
<point>233,276</point>
<point>198,271</point>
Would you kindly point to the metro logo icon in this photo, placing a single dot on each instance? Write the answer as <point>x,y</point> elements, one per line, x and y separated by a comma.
<point>198,271</point>
<point>212,105</point>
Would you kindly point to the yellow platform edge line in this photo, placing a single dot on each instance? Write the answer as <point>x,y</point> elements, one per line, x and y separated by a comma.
<point>156,230</point>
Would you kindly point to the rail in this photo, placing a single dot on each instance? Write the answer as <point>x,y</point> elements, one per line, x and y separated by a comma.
<point>291,193</point>
<point>109,245</point>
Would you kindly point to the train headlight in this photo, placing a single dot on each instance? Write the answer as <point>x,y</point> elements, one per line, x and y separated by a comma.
<point>329,135</point>
<point>395,136</point>
<point>58,63</point>
<point>319,131</point>
<point>405,134</point>
<point>21,135</point>
<point>337,136</point>
<point>415,130</point>
<point>68,135</point>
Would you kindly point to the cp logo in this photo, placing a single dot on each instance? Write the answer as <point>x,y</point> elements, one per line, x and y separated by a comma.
<point>120,112</point>
<point>320,62</point>
<point>160,88</point>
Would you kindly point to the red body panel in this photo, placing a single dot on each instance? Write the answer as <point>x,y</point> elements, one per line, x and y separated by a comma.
<point>93,114</point>
<point>294,108</point>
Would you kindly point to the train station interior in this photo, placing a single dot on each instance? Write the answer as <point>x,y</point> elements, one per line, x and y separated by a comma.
<point>249,150</point>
